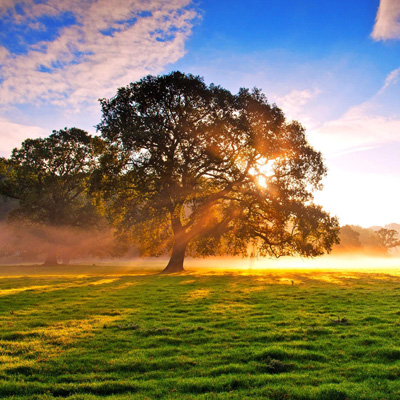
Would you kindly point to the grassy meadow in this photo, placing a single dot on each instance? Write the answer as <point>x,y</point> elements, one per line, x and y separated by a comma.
<point>120,333</point>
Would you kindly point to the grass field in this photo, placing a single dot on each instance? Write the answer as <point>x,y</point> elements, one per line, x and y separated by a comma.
<point>103,332</point>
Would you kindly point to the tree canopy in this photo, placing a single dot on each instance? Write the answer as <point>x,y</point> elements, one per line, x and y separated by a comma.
<point>194,169</point>
<point>388,237</point>
<point>49,179</point>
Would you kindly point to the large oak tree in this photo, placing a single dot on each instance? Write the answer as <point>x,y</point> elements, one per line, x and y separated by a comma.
<point>195,169</point>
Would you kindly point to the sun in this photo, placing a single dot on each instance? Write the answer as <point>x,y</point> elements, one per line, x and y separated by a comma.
<point>263,171</point>
<point>261,181</point>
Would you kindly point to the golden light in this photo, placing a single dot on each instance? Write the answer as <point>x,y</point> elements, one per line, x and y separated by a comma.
<point>263,170</point>
<point>262,181</point>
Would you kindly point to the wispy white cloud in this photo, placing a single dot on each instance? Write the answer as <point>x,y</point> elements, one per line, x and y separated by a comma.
<point>111,44</point>
<point>374,122</point>
<point>293,102</point>
<point>356,130</point>
<point>387,24</point>
<point>12,134</point>
<point>353,150</point>
<point>391,79</point>
<point>3,54</point>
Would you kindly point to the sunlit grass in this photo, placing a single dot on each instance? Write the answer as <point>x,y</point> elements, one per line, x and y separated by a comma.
<point>117,332</point>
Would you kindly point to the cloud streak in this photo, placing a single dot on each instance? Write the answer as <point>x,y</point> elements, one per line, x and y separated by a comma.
<point>356,130</point>
<point>12,134</point>
<point>110,44</point>
<point>391,79</point>
<point>293,102</point>
<point>387,23</point>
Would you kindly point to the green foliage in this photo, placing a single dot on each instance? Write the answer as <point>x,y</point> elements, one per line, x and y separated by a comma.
<point>197,167</point>
<point>49,178</point>
<point>96,332</point>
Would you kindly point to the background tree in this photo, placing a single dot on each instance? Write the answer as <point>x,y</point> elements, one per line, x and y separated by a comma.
<point>349,239</point>
<point>388,237</point>
<point>369,241</point>
<point>198,170</point>
<point>6,203</point>
<point>49,179</point>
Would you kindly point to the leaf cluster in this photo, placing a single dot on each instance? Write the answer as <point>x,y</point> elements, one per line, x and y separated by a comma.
<point>49,178</point>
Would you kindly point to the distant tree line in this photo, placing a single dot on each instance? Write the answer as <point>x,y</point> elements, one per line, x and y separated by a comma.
<point>375,240</point>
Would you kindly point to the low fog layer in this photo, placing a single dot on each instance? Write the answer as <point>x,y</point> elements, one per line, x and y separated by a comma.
<point>24,243</point>
<point>360,248</point>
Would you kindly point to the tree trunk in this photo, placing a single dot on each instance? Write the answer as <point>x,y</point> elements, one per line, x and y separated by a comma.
<point>65,260</point>
<point>51,258</point>
<point>175,263</point>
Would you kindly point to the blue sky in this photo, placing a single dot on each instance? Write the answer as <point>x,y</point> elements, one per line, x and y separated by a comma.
<point>333,65</point>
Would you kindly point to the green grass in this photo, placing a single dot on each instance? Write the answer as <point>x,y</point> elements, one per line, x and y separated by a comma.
<point>198,336</point>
